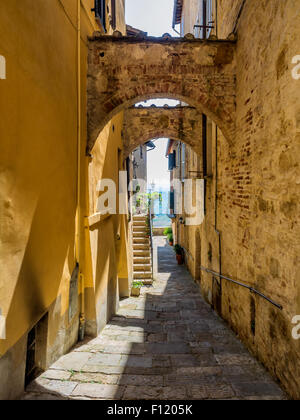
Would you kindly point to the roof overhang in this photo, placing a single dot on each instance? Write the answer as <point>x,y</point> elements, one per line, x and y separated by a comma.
<point>178,5</point>
<point>131,31</point>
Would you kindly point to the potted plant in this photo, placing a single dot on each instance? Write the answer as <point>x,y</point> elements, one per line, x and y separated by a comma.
<point>179,254</point>
<point>170,239</point>
<point>169,234</point>
<point>136,288</point>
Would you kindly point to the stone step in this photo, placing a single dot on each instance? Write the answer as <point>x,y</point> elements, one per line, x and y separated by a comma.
<point>139,229</point>
<point>142,260</point>
<point>140,216</point>
<point>141,253</point>
<point>139,225</point>
<point>146,268</point>
<point>138,275</point>
<point>143,241</point>
<point>139,219</point>
<point>140,235</point>
<point>147,282</point>
<point>141,247</point>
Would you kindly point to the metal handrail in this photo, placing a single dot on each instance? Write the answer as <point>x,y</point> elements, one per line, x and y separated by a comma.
<point>252,290</point>
<point>151,235</point>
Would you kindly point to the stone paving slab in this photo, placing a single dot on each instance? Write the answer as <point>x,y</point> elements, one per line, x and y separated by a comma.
<point>166,344</point>
<point>98,391</point>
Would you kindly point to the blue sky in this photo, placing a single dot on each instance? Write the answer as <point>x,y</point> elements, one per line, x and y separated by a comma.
<point>154,17</point>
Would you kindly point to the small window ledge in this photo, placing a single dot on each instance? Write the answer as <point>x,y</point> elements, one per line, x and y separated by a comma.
<point>97,218</point>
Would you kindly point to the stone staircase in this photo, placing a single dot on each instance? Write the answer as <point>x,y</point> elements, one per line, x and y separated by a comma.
<point>142,259</point>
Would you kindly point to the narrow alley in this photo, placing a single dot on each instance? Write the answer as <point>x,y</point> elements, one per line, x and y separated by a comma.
<point>166,344</point>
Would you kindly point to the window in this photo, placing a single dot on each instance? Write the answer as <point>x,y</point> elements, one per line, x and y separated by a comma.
<point>172,201</point>
<point>178,159</point>
<point>100,12</point>
<point>209,152</point>
<point>113,14</point>
<point>36,353</point>
<point>205,21</point>
<point>207,136</point>
<point>172,161</point>
<point>183,152</point>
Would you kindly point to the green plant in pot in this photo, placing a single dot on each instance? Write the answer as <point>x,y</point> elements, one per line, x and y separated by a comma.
<point>136,288</point>
<point>170,239</point>
<point>179,254</point>
<point>169,234</point>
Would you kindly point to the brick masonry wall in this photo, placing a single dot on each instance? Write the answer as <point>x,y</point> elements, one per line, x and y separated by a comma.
<point>123,71</point>
<point>146,123</point>
<point>258,187</point>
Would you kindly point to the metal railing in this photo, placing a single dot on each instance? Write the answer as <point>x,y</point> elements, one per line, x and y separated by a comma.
<point>151,235</point>
<point>251,289</point>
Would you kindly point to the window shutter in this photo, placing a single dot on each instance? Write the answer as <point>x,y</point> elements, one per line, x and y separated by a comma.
<point>113,14</point>
<point>100,12</point>
<point>172,200</point>
<point>183,149</point>
<point>172,161</point>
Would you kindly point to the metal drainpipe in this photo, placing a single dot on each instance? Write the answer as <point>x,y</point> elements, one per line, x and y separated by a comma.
<point>216,216</point>
<point>78,228</point>
<point>239,16</point>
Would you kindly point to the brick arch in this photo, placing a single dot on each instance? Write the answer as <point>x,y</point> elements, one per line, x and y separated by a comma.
<point>123,71</point>
<point>181,123</point>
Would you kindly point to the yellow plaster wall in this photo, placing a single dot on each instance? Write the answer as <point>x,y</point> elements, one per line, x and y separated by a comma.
<point>39,161</point>
<point>108,236</point>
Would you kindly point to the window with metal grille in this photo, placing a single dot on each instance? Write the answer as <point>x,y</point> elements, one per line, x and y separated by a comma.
<point>205,22</point>
<point>100,12</point>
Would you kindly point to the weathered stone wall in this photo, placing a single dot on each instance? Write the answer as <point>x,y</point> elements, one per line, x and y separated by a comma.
<point>126,70</point>
<point>258,187</point>
<point>181,123</point>
<point>228,16</point>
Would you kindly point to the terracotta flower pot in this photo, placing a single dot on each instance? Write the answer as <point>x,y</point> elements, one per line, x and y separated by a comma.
<point>179,259</point>
<point>171,243</point>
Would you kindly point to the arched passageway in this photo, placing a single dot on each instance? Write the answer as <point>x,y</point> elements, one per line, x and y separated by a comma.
<point>183,123</point>
<point>123,71</point>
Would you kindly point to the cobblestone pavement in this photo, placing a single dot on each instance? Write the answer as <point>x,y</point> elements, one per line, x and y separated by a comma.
<point>166,344</point>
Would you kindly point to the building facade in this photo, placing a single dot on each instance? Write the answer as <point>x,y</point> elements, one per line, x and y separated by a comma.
<point>55,279</point>
<point>67,76</point>
<point>251,220</point>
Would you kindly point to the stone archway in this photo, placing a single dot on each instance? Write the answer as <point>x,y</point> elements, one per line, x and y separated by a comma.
<point>125,70</point>
<point>182,123</point>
